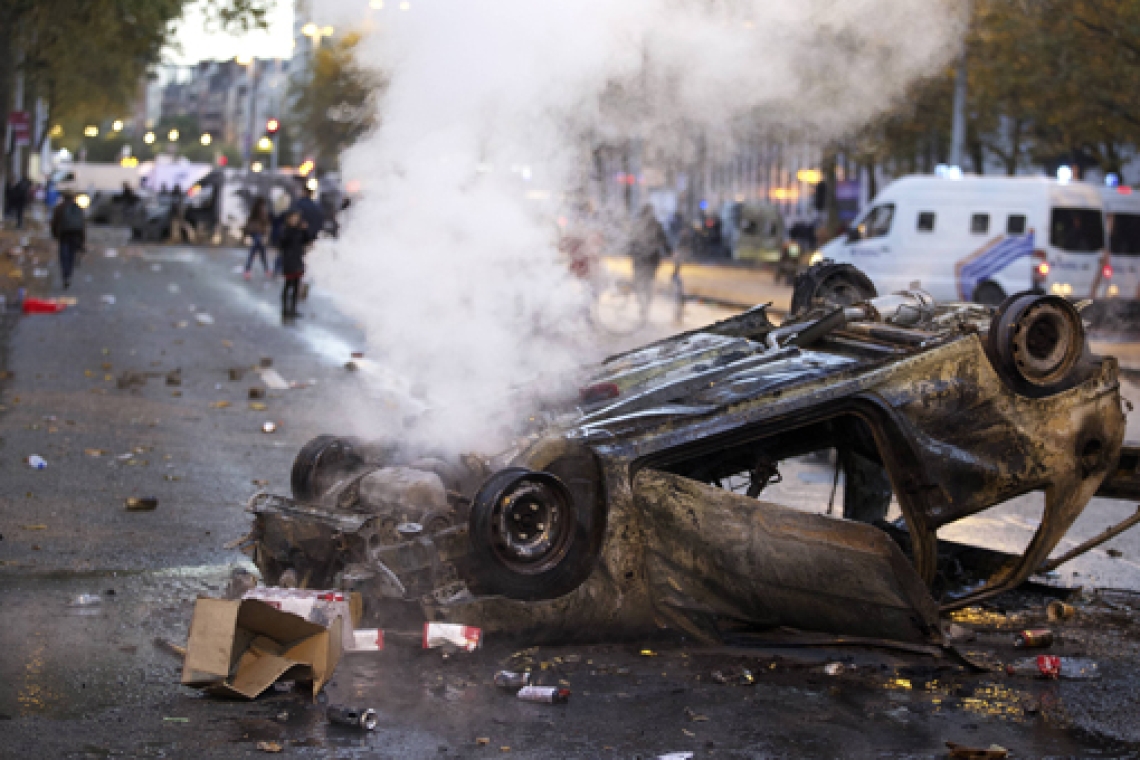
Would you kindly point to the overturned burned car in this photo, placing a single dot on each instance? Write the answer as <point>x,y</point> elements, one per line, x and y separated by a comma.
<point>639,506</point>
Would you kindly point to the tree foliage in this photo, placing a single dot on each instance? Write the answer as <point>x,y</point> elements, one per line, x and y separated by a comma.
<point>336,105</point>
<point>1049,81</point>
<point>87,59</point>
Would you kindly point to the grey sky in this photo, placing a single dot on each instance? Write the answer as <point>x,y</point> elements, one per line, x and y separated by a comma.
<point>197,44</point>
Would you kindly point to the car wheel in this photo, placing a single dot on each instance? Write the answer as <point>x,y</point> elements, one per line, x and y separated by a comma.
<point>989,294</point>
<point>1036,344</point>
<point>320,464</point>
<point>529,539</point>
<point>830,284</point>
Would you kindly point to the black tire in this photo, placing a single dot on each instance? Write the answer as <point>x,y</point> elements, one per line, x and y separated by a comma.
<point>989,294</point>
<point>505,570</point>
<point>1037,343</point>
<point>320,464</point>
<point>829,285</point>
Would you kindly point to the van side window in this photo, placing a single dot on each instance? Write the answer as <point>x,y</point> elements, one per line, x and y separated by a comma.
<point>1015,224</point>
<point>926,221</point>
<point>980,224</point>
<point>1079,230</point>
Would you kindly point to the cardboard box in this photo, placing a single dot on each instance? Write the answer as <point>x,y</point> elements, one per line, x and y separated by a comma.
<point>321,607</point>
<point>239,649</point>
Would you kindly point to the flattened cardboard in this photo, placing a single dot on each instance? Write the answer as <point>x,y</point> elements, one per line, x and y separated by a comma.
<point>240,648</point>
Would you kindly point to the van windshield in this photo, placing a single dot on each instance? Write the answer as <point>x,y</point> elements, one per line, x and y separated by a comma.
<point>1125,234</point>
<point>1078,230</point>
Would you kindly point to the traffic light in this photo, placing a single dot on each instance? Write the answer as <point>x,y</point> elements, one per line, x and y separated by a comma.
<point>272,127</point>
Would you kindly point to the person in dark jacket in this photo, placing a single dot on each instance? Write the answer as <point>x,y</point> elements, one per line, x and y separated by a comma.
<point>20,196</point>
<point>258,227</point>
<point>311,213</point>
<point>69,227</point>
<point>294,240</point>
<point>647,246</point>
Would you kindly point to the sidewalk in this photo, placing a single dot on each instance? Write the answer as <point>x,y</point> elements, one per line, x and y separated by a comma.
<point>724,284</point>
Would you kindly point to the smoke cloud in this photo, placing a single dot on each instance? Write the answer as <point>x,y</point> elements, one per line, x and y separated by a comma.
<point>450,257</point>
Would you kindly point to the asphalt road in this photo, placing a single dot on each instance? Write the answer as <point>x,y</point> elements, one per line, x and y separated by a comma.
<point>89,681</point>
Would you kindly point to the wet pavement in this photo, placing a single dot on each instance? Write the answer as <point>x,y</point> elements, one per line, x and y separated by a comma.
<point>88,392</point>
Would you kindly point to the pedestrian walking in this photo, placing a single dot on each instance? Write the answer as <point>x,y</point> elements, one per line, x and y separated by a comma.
<point>69,227</point>
<point>258,227</point>
<point>294,242</point>
<point>19,197</point>
<point>311,213</point>
<point>647,246</point>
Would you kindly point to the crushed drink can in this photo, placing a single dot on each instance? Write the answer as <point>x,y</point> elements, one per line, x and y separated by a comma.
<point>1034,638</point>
<point>363,718</point>
<point>506,679</point>
<point>550,695</point>
<point>463,637</point>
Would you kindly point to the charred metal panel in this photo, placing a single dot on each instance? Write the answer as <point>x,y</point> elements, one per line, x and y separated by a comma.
<point>714,557</point>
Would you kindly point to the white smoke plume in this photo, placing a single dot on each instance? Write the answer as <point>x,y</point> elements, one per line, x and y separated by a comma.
<point>451,262</point>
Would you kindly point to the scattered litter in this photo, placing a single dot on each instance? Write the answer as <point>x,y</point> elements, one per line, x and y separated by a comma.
<point>219,404</point>
<point>142,504</point>
<point>170,647</point>
<point>320,607</point>
<point>695,717</point>
<point>38,526</point>
<point>203,318</point>
<point>40,273</point>
<point>962,752</point>
<point>36,462</point>
<point>182,324</point>
<point>95,452</point>
<point>506,679</point>
<point>175,720</point>
<point>676,756</point>
<point>108,299</point>
<point>258,406</point>
<point>43,306</point>
<point>111,253</point>
<point>274,380</point>
<point>173,288</point>
<point>236,373</point>
<point>1051,666</point>
<point>647,653</point>
<point>266,362</point>
<point>545,694</point>
<point>482,741</point>
<point>86,600</point>
<point>255,393</point>
<point>368,640</point>
<point>357,354</point>
<point>352,717</point>
<point>156,267</point>
<point>1037,638</point>
<point>269,427</point>
<point>461,636</point>
<point>1114,553</point>
<point>273,747</point>
<point>174,377</point>
<point>351,366</point>
<point>409,529</point>
<point>283,687</point>
<point>260,483</point>
<point>265,642</point>
<point>834,668</point>
<point>1058,610</point>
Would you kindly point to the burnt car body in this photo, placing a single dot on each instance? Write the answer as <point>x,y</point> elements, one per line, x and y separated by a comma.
<point>639,507</point>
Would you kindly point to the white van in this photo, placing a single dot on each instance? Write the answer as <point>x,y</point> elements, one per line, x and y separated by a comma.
<point>979,238</point>
<point>1122,220</point>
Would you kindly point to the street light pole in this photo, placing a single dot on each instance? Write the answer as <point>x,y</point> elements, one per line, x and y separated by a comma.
<point>958,139</point>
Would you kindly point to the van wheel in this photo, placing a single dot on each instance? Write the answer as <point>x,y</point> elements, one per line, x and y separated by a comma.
<point>989,294</point>
<point>830,284</point>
